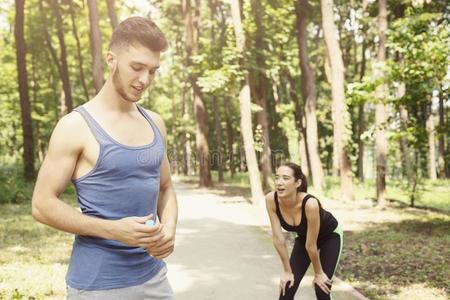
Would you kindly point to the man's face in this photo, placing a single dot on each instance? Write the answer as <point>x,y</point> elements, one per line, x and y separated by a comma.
<point>133,71</point>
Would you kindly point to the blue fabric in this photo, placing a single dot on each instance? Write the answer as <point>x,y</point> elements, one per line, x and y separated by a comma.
<point>124,182</point>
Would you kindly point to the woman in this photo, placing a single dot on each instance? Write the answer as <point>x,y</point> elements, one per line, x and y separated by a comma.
<point>291,208</point>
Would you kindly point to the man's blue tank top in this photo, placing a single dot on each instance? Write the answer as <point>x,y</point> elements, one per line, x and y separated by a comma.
<point>123,183</point>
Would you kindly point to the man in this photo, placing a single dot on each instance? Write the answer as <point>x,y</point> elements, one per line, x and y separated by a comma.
<point>114,152</point>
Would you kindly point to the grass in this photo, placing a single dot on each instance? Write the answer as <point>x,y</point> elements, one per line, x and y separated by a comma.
<point>33,257</point>
<point>388,260</point>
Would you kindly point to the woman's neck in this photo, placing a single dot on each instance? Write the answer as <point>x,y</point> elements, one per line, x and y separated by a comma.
<point>290,200</point>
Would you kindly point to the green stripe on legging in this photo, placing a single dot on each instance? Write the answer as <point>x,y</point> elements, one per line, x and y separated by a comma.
<point>340,232</point>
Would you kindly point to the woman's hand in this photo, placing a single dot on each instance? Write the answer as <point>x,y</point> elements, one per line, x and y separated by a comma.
<point>323,282</point>
<point>286,280</point>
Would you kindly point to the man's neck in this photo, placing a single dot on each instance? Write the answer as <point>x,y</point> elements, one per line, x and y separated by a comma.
<point>110,101</point>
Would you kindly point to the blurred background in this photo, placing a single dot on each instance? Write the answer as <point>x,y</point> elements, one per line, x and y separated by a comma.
<point>356,92</point>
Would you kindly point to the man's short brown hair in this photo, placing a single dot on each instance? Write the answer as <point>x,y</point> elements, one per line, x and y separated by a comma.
<point>138,30</point>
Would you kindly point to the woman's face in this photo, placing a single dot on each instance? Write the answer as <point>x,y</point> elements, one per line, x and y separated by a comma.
<point>285,181</point>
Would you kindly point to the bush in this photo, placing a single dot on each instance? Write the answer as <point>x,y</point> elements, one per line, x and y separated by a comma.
<point>13,186</point>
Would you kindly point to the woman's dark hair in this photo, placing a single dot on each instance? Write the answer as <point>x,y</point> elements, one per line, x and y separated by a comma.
<point>298,174</point>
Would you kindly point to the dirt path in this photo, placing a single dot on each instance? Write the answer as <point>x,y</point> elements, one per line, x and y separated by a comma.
<point>223,251</point>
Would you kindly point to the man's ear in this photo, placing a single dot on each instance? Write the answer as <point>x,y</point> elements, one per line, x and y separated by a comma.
<point>298,183</point>
<point>111,60</point>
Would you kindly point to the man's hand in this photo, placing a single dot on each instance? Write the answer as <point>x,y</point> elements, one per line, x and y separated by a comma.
<point>133,231</point>
<point>164,246</point>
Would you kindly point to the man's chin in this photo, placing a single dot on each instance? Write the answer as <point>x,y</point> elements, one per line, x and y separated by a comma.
<point>132,98</point>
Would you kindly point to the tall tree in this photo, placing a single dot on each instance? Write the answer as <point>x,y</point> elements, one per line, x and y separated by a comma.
<point>63,67</point>
<point>96,45</point>
<point>230,136</point>
<point>218,157</point>
<point>339,110</point>
<point>361,105</point>
<point>442,136</point>
<point>259,84</point>
<point>246,117</point>
<point>112,13</point>
<point>27,131</point>
<point>432,170</point>
<point>192,22</point>
<point>309,94</point>
<point>380,110</point>
<point>79,55</point>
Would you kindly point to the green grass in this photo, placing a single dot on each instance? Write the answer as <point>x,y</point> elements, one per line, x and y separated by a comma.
<point>389,260</point>
<point>33,257</point>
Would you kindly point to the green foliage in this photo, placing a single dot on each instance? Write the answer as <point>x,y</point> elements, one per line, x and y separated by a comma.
<point>13,186</point>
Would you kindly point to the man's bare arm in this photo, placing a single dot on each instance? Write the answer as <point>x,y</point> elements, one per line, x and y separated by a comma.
<point>167,203</point>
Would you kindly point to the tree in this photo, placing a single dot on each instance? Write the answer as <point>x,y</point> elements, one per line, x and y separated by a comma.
<point>192,24</point>
<point>246,118</point>
<point>432,169</point>
<point>340,114</point>
<point>112,13</point>
<point>309,94</point>
<point>27,131</point>
<point>380,110</point>
<point>63,68</point>
<point>96,46</point>
<point>79,55</point>
<point>258,84</point>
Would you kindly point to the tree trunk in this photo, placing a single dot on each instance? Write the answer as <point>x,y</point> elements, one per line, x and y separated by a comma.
<point>246,117</point>
<point>28,142</point>
<point>64,71</point>
<point>380,110</point>
<point>407,164</point>
<point>187,151</point>
<point>308,88</point>
<point>218,157</point>
<point>218,154</point>
<point>230,135</point>
<point>96,46</point>
<point>258,84</point>
<point>442,136</point>
<point>79,55</point>
<point>340,116</point>
<point>361,119</point>
<point>299,116</point>
<point>192,27</point>
<point>173,157</point>
<point>431,141</point>
<point>112,13</point>
<point>335,162</point>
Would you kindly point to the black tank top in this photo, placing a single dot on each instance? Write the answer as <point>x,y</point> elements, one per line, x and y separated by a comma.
<point>328,222</point>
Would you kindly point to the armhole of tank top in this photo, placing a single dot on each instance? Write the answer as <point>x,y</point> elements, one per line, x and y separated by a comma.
<point>100,149</point>
<point>152,123</point>
<point>307,197</point>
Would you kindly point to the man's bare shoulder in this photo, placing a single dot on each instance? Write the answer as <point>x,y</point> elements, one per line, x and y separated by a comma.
<point>70,132</point>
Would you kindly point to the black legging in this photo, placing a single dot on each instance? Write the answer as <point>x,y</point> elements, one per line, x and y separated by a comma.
<point>329,252</point>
